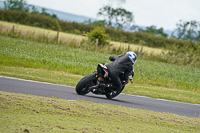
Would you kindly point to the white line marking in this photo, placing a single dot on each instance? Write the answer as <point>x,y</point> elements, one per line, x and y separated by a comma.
<point>36,81</point>
<point>159,99</point>
<point>74,87</point>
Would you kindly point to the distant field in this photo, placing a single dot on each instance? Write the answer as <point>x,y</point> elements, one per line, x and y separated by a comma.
<point>36,30</point>
<point>152,79</point>
<point>148,50</point>
<point>66,36</point>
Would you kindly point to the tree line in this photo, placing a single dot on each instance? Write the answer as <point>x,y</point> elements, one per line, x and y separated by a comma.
<point>187,30</point>
<point>120,17</point>
<point>150,36</point>
<point>21,5</point>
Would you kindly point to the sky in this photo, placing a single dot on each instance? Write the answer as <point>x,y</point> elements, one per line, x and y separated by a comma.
<point>160,13</point>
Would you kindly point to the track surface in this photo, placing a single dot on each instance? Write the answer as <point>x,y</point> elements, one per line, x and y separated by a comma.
<point>66,92</point>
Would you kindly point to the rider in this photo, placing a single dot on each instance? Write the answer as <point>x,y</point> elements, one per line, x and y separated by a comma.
<point>121,64</point>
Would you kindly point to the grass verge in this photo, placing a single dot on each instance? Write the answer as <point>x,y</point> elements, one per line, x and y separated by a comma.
<point>65,78</point>
<point>27,113</point>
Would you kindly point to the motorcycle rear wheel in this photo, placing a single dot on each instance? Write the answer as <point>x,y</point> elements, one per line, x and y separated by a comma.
<point>114,93</point>
<point>83,85</point>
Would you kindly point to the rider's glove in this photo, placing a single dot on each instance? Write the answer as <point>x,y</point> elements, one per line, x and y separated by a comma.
<point>130,77</point>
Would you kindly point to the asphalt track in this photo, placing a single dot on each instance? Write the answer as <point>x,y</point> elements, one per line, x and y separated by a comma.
<point>66,92</point>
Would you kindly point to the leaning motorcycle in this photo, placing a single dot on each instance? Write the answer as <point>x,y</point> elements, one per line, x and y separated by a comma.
<point>90,83</point>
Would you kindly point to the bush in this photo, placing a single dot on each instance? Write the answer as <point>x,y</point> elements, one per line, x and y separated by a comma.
<point>100,35</point>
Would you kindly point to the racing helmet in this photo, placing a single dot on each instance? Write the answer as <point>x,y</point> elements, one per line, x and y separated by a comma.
<point>132,56</point>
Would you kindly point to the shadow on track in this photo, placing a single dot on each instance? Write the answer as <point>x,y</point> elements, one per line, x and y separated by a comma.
<point>106,100</point>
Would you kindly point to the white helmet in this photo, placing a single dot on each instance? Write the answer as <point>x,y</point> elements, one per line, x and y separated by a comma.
<point>132,56</point>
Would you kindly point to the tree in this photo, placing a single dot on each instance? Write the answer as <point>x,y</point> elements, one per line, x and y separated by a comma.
<point>189,30</point>
<point>16,5</point>
<point>108,13</point>
<point>100,35</point>
<point>153,30</point>
<point>122,17</point>
<point>44,12</point>
<point>96,23</point>
<point>34,10</point>
<point>21,5</point>
<point>116,16</point>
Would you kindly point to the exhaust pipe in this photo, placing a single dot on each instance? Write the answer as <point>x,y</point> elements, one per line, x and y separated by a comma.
<point>93,87</point>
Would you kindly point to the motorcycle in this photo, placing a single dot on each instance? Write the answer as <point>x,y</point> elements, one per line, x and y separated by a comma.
<point>91,83</point>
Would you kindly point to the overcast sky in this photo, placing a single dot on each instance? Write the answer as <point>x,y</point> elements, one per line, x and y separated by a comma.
<point>161,13</point>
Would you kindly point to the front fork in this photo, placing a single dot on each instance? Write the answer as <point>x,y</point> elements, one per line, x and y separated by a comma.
<point>98,81</point>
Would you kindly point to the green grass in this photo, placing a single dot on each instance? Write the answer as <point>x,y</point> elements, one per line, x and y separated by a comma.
<point>16,52</point>
<point>65,78</point>
<point>57,77</point>
<point>168,75</point>
<point>37,61</point>
<point>27,113</point>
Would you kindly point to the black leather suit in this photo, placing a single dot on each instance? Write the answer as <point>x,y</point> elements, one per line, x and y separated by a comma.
<point>120,64</point>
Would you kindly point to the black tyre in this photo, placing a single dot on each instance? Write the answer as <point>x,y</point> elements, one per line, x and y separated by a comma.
<point>83,85</point>
<point>114,93</point>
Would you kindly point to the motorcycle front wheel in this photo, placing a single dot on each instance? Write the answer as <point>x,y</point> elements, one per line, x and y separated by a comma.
<point>83,85</point>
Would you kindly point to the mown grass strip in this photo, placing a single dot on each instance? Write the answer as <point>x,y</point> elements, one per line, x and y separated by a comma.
<point>65,78</point>
<point>27,113</point>
<point>56,77</point>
